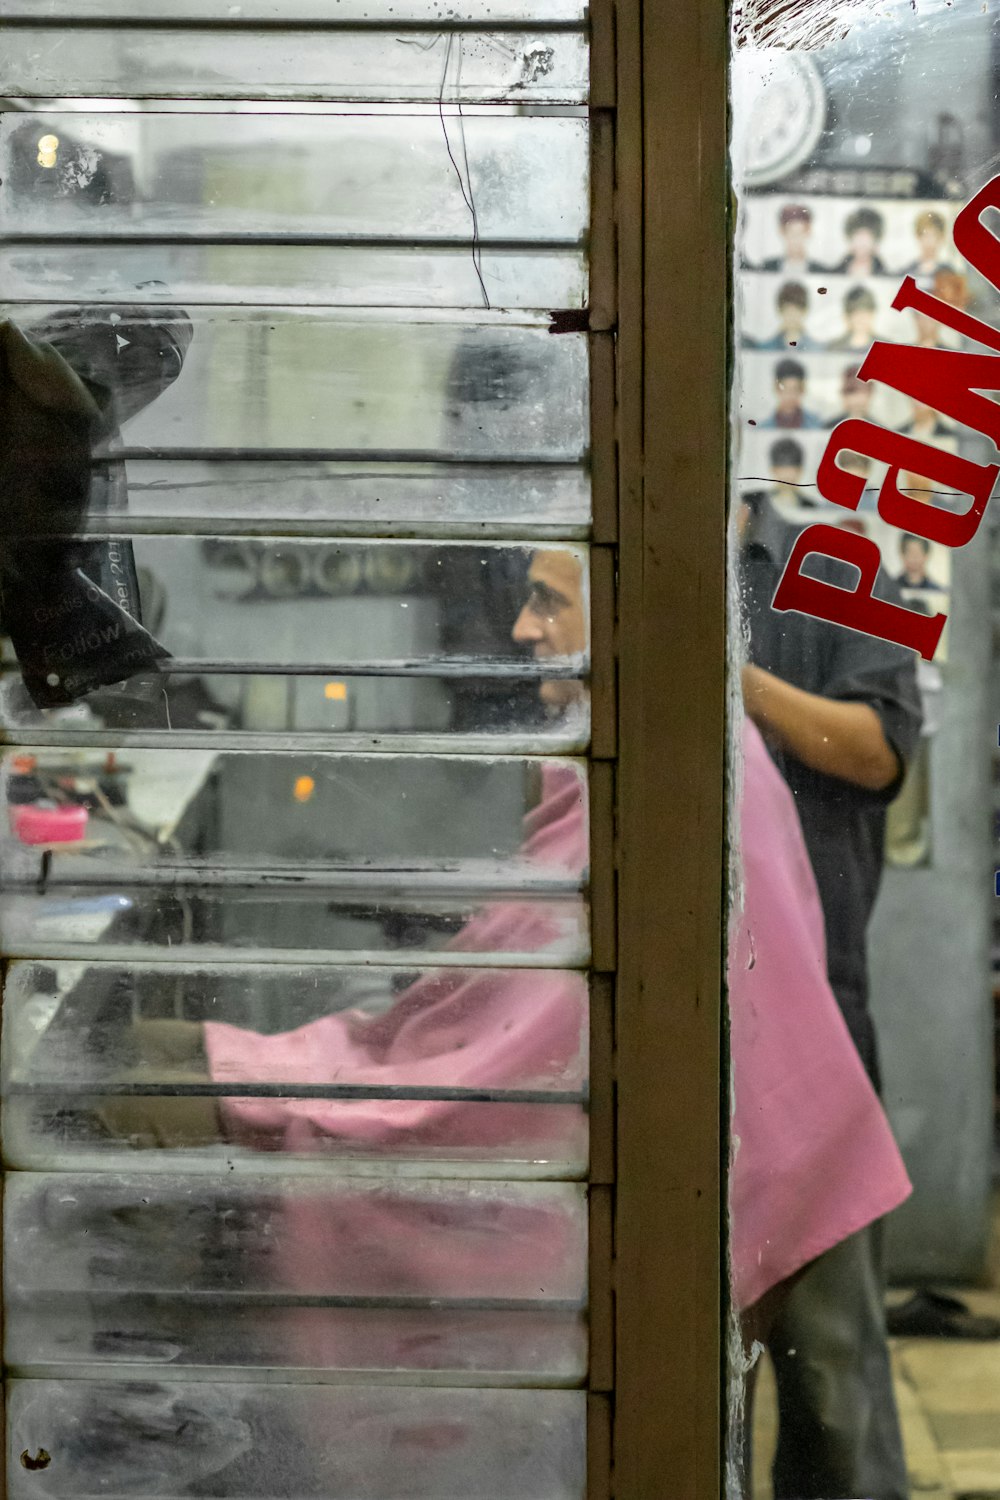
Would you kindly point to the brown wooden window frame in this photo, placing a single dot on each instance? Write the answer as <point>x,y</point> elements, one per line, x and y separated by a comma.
<point>659,74</point>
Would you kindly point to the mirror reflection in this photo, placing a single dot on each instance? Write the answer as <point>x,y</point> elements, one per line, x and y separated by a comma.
<point>858,139</point>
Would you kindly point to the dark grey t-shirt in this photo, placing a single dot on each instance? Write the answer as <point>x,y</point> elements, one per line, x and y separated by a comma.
<point>843,824</point>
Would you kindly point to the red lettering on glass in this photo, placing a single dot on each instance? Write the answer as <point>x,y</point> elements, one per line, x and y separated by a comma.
<point>910,295</point>
<point>945,379</point>
<point>906,454</point>
<point>973,239</point>
<point>856,608</point>
<point>950,381</point>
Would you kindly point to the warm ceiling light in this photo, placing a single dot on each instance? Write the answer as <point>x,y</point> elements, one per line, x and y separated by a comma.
<point>48,145</point>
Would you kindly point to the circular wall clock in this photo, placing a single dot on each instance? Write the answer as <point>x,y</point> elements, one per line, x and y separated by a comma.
<point>779,101</point>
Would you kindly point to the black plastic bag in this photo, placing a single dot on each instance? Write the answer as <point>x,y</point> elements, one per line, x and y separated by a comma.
<point>70,604</point>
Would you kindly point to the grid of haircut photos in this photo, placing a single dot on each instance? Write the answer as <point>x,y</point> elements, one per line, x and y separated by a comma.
<point>818,280</point>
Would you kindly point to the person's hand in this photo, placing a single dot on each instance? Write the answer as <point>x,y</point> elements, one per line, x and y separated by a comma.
<point>171,1052</point>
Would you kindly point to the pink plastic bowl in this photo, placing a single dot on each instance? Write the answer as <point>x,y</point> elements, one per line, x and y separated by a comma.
<point>48,825</point>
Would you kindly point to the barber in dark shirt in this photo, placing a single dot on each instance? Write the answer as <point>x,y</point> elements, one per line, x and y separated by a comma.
<point>840,712</point>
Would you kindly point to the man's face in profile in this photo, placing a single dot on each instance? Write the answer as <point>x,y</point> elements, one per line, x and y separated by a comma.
<point>553,620</point>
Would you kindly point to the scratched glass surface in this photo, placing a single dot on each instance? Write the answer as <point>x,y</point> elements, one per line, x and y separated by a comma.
<point>470,1282</point>
<point>231,62</point>
<point>389,14</point>
<point>145,1023</point>
<point>401,643</point>
<point>276,275</point>
<point>307,174</point>
<point>375,920</point>
<point>467,1071</point>
<point>419,713</point>
<point>447,822</point>
<point>339,987</point>
<point>360,497</point>
<point>130,1439</point>
<point>311,384</point>
<point>408,605</point>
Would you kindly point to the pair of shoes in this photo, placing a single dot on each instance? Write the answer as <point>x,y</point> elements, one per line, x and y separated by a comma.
<point>932,1315</point>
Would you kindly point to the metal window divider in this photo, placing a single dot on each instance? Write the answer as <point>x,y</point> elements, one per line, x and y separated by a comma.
<point>599,1472</point>
<point>671,213</point>
<point>603,318</point>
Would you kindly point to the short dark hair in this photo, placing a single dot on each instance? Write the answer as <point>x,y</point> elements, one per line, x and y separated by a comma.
<point>795,213</point>
<point>865,218</point>
<point>858,297</point>
<point>921,541</point>
<point>786,453</point>
<point>793,294</point>
<point>789,369</point>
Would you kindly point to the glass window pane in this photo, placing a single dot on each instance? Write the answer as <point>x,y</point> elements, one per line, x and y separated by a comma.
<point>441,821</point>
<point>294,855</point>
<point>312,383</point>
<point>478,1281</point>
<point>465,1066</point>
<point>397,712</point>
<point>372,919</point>
<point>866,295</point>
<point>296,275</point>
<point>132,1438</point>
<point>325,65</point>
<point>210,176</point>
<point>348,638</point>
<point>492,497</point>
<point>407,606</point>
<point>385,13</point>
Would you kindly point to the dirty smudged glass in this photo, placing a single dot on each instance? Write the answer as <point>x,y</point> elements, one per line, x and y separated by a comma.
<point>858,136</point>
<point>293,700</point>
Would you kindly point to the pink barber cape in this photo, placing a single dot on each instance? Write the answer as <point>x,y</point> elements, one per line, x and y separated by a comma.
<point>815,1162</point>
<point>453,1028</point>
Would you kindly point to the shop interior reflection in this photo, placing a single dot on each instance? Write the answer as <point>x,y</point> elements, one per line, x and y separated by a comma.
<point>858,138</point>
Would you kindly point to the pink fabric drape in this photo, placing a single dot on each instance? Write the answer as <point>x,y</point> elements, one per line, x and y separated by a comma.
<point>814,1159</point>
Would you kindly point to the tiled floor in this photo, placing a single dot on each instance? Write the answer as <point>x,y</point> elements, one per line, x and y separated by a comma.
<point>949,1403</point>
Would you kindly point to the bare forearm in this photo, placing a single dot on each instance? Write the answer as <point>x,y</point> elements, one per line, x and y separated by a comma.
<point>845,740</point>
